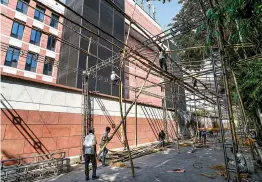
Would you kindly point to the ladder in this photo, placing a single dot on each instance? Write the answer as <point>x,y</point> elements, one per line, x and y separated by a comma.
<point>109,118</point>
<point>222,108</point>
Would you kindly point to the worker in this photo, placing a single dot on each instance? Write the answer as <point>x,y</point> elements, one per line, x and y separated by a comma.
<point>89,149</point>
<point>241,161</point>
<point>204,136</point>
<point>114,78</point>
<point>200,134</point>
<point>162,137</point>
<point>194,83</point>
<point>211,133</point>
<point>162,60</point>
<point>103,140</point>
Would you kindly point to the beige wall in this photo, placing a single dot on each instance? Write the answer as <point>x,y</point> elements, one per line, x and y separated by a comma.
<point>50,119</point>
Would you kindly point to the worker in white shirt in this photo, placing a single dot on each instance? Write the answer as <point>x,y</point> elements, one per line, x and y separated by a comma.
<point>114,78</point>
<point>89,147</point>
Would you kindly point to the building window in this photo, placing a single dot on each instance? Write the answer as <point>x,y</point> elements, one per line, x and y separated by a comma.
<point>51,43</point>
<point>35,37</point>
<point>17,30</point>
<point>48,66</point>
<point>54,20</point>
<point>39,13</point>
<point>22,6</point>
<point>31,62</point>
<point>4,1</point>
<point>12,56</point>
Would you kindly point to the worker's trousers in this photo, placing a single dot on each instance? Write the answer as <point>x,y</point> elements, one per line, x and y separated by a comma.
<point>103,159</point>
<point>89,158</point>
<point>162,142</point>
<point>204,138</point>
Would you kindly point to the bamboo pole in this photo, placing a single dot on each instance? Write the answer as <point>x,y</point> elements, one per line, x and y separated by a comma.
<point>124,128</point>
<point>128,110</point>
<point>121,96</point>
<point>221,43</point>
<point>242,45</point>
<point>239,97</point>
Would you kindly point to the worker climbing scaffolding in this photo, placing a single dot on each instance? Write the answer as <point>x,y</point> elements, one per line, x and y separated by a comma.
<point>162,60</point>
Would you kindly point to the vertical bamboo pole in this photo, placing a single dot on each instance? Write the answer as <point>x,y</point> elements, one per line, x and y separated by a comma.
<point>85,94</point>
<point>221,43</point>
<point>124,120</point>
<point>121,96</point>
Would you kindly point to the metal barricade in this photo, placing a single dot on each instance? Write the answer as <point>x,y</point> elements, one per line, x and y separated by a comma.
<point>16,169</point>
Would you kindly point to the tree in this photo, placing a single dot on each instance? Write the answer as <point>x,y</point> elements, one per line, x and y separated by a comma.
<point>189,22</point>
<point>242,23</point>
<point>249,76</point>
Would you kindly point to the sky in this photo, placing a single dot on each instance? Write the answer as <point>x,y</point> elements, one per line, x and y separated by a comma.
<point>166,12</point>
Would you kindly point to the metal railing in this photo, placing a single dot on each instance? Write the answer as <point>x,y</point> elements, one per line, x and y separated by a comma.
<point>40,166</point>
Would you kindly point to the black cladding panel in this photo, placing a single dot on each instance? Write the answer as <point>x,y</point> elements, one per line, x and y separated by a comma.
<point>97,13</point>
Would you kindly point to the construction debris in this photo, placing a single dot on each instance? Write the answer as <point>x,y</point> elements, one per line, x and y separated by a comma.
<point>220,170</point>
<point>185,144</point>
<point>119,165</point>
<point>209,175</point>
<point>122,156</point>
<point>222,173</point>
<point>218,167</point>
<point>179,170</point>
<point>244,175</point>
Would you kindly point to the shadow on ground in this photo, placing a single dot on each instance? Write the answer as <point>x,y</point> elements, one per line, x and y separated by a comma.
<point>155,167</point>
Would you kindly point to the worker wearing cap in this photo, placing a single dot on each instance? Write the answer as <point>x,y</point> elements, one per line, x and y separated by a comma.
<point>89,149</point>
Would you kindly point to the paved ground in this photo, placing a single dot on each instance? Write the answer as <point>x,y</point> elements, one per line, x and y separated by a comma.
<point>155,167</point>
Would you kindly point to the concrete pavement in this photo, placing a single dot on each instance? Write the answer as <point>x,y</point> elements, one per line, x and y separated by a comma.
<point>155,167</point>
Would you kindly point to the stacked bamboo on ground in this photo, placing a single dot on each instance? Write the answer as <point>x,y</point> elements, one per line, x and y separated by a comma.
<point>122,156</point>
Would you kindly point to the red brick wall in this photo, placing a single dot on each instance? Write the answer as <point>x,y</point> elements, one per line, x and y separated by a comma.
<point>61,132</point>
<point>138,82</point>
<point>6,26</point>
<point>144,20</point>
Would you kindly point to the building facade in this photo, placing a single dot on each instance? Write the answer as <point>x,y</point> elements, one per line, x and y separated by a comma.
<point>29,32</point>
<point>102,15</point>
<point>135,39</point>
<point>40,115</point>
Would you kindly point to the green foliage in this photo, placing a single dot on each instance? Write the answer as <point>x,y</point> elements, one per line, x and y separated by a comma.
<point>188,22</point>
<point>249,76</point>
<point>242,17</point>
<point>241,21</point>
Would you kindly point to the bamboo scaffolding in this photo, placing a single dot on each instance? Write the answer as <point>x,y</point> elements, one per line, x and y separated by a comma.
<point>121,97</point>
<point>128,110</point>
